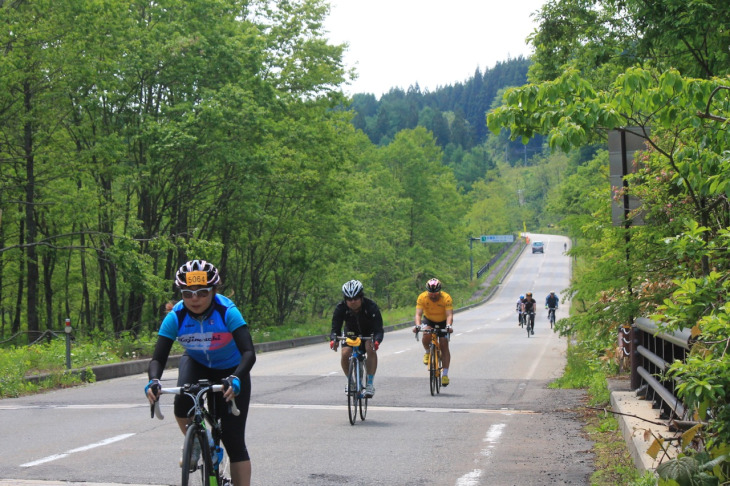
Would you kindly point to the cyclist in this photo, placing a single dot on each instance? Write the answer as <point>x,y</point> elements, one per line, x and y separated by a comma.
<point>435,310</point>
<point>218,347</point>
<point>361,317</point>
<point>529,306</point>
<point>518,308</point>
<point>551,302</point>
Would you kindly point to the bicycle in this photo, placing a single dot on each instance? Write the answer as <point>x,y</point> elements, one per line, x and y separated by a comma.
<point>551,316</point>
<point>435,366</point>
<point>202,470</point>
<point>521,317</point>
<point>356,379</point>
<point>530,323</point>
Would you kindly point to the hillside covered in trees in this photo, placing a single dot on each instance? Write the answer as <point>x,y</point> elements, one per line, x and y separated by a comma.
<point>455,116</point>
<point>136,136</point>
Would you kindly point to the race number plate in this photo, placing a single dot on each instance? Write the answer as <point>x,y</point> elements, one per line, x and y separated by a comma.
<point>196,278</point>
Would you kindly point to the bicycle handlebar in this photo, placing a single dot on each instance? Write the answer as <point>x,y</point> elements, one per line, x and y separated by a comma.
<point>363,338</point>
<point>194,391</point>
<point>432,331</point>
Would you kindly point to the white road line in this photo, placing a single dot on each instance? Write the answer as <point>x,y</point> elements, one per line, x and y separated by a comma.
<point>492,438</point>
<point>536,362</point>
<point>396,409</point>
<point>470,478</point>
<point>36,482</point>
<point>101,406</point>
<point>78,449</point>
<point>503,411</point>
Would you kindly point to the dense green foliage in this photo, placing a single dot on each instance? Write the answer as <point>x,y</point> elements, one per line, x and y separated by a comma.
<point>454,114</point>
<point>136,136</point>
<point>660,69</point>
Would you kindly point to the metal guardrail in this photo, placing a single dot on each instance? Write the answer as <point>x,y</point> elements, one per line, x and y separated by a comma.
<point>495,258</point>
<point>651,354</point>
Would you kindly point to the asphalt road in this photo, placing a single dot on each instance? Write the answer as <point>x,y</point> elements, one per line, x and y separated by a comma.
<point>497,423</point>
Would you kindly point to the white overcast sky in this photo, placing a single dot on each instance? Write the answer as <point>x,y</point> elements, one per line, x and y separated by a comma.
<point>396,43</point>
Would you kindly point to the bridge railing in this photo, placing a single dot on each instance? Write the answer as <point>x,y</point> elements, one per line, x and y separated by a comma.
<point>652,351</point>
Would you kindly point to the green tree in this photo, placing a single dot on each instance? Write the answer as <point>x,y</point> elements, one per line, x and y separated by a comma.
<point>672,268</point>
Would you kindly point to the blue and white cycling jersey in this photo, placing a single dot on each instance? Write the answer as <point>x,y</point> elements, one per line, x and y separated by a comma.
<point>208,340</point>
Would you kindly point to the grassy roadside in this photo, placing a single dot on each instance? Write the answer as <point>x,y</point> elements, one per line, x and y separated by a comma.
<point>49,358</point>
<point>613,463</point>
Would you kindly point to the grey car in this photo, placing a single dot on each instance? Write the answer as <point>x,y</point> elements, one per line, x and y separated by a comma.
<point>538,247</point>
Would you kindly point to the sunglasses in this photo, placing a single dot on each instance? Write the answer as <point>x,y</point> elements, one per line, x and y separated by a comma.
<point>202,293</point>
<point>352,299</point>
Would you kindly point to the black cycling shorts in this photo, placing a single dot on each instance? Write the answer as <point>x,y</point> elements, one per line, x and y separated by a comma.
<point>440,326</point>
<point>233,427</point>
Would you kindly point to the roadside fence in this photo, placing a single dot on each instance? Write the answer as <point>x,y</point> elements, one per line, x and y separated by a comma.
<point>652,352</point>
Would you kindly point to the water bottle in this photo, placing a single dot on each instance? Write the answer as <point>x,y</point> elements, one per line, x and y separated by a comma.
<point>215,451</point>
<point>217,456</point>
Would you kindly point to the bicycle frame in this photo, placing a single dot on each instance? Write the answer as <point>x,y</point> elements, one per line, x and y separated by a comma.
<point>434,359</point>
<point>199,415</point>
<point>529,322</point>
<point>356,399</point>
<point>551,316</point>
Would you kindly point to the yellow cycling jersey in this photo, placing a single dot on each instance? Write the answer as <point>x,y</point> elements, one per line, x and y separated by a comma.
<point>435,311</point>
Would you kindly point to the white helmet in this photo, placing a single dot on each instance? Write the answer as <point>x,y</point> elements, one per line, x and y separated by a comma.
<point>352,289</point>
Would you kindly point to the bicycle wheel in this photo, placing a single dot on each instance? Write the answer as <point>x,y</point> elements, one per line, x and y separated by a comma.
<point>432,372</point>
<point>527,326</point>
<point>439,367</point>
<point>552,318</point>
<point>363,401</point>
<point>196,464</point>
<point>352,392</point>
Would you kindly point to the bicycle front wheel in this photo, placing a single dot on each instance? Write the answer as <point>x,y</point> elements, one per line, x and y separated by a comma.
<point>432,369</point>
<point>352,392</point>
<point>196,469</point>
<point>362,401</point>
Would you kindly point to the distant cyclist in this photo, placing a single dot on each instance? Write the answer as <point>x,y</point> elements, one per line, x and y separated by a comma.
<point>552,301</point>
<point>520,301</point>
<point>435,310</point>
<point>529,306</point>
<point>361,317</point>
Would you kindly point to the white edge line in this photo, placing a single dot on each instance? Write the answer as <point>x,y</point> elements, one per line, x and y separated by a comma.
<point>78,449</point>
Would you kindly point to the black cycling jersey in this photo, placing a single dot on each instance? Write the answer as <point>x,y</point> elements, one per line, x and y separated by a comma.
<point>366,322</point>
<point>530,304</point>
